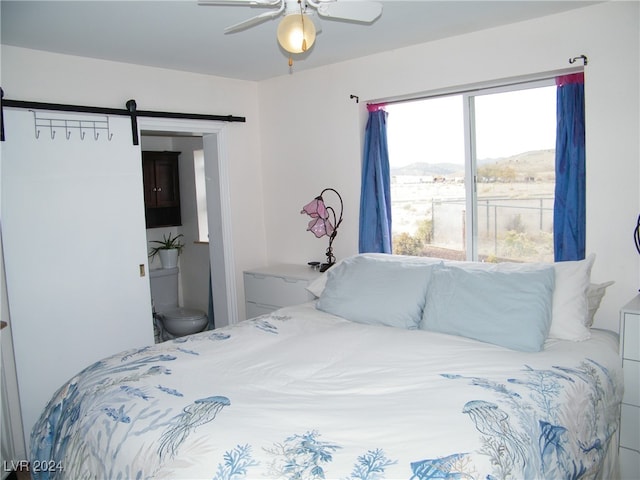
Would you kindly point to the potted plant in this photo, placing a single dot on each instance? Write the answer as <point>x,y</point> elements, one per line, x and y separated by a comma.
<point>168,249</point>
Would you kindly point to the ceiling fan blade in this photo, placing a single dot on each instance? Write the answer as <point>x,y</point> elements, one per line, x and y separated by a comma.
<point>252,3</point>
<point>356,11</point>
<point>251,22</point>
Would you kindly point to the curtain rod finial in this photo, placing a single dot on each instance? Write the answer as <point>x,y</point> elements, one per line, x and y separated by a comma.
<point>584,59</point>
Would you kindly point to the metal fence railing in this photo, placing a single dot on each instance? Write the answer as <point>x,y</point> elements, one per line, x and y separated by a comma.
<point>517,228</point>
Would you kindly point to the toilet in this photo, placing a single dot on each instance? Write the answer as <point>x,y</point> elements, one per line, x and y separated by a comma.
<point>171,320</point>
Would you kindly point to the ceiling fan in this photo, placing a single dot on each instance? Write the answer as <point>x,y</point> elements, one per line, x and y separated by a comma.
<point>296,31</point>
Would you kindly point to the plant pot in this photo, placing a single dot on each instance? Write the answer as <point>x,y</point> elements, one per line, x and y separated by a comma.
<point>168,257</point>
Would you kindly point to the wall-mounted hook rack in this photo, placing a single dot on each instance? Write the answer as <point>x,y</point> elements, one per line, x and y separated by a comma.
<point>68,125</point>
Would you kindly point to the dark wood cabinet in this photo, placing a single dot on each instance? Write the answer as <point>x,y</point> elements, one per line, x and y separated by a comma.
<point>161,189</point>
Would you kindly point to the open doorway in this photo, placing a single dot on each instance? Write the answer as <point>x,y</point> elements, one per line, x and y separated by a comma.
<point>193,274</point>
<point>205,265</point>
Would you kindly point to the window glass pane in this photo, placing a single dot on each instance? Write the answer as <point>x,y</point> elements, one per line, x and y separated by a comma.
<point>427,157</point>
<point>515,168</point>
<point>201,195</point>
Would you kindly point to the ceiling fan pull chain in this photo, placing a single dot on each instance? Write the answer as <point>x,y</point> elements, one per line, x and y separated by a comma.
<point>304,40</point>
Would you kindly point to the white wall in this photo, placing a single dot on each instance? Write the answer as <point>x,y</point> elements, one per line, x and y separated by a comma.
<point>45,77</point>
<point>324,148</point>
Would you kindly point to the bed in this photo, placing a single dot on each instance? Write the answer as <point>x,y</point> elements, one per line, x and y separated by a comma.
<point>354,386</point>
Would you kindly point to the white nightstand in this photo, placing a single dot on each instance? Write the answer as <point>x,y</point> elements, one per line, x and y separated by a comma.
<point>630,417</point>
<point>268,288</point>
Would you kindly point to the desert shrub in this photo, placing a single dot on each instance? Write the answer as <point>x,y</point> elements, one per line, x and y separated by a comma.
<point>405,244</point>
<point>425,231</point>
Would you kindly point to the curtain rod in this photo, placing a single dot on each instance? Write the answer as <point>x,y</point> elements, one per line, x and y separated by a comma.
<point>469,89</point>
<point>130,111</point>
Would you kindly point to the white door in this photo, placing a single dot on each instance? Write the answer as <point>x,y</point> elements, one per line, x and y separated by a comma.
<point>75,247</point>
<point>220,239</point>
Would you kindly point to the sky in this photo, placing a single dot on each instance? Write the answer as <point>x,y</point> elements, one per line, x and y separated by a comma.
<point>507,123</point>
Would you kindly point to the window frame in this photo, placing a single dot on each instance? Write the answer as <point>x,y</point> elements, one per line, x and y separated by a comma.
<point>470,162</point>
<point>471,172</point>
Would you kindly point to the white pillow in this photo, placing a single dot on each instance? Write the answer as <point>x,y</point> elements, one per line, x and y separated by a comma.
<point>570,306</point>
<point>594,297</point>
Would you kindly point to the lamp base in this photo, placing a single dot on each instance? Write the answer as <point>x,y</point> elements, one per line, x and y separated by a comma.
<point>325,266</point>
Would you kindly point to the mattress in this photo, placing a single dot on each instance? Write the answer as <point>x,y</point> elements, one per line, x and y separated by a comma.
<point>303,394</point>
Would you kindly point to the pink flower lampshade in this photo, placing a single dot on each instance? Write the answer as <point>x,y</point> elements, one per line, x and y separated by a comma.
<point>321,225</point>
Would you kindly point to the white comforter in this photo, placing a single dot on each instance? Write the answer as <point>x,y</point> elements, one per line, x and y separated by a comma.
<point>301,394</point>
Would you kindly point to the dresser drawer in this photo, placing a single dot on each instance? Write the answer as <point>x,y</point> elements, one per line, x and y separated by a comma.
<point>631,344</point>
<point>629,464</point>
<point>630,427</point>
<point>631,370</point>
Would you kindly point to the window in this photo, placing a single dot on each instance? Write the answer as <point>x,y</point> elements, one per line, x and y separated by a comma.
<point>473,174</point>
<point>201,195</point>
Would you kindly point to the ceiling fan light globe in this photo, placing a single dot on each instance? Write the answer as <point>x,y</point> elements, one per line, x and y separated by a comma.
<point>296,33</point>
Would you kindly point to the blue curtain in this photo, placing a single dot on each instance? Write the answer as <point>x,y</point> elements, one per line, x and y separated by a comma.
<point>375,195</point>
<point>569,219</point>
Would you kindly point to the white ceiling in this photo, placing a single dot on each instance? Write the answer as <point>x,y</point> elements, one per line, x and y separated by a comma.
<point>183,35</point>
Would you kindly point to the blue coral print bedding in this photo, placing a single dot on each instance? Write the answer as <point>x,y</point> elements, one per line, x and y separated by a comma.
<point>300,394</point>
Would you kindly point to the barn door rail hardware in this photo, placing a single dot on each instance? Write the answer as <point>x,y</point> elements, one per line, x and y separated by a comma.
<point>130,111</point>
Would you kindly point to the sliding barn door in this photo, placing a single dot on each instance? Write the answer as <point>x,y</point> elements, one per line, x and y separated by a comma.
<point>75,246</point>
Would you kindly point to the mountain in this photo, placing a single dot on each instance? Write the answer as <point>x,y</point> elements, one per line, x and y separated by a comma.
<point>537,163</point>
<point>428,169</point>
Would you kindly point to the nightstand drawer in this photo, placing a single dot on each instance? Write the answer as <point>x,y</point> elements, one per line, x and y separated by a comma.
<point>631,344</point>
<point>630,427</point>
<point>277,291</point>
<point>631,371</point>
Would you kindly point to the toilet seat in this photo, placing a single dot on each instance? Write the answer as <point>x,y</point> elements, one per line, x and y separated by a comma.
<point>184,314</point>
<point>181,321</point>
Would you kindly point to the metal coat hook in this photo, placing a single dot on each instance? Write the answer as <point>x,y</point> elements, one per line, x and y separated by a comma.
<point>356,97</point>
<point>584,59</point>
<point>109,133</point>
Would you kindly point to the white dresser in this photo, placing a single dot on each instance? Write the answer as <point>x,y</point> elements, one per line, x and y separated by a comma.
<point>630,418</point>
<point>268,288</point>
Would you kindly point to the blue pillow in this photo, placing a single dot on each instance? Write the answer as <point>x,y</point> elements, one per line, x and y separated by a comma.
<point>510,309</point>
<point>376,292</point>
